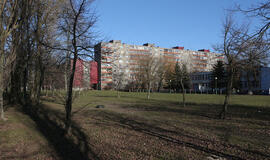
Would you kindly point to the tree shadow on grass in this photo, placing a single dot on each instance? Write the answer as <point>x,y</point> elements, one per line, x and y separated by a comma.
<point>50,123</point>
<point>207,110</point>
<point>113,118</point>
<point>203,110</point>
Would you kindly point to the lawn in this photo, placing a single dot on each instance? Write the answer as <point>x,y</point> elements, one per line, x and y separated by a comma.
<point>132,127</point>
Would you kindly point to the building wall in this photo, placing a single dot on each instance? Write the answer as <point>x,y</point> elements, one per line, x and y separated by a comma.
<point>262,84</point>
<point>86,74</point>
<point>78,75</point>
<point>114,56</point>
<point>201,81</point>
<point>265,78</point>
<point>93,73</point>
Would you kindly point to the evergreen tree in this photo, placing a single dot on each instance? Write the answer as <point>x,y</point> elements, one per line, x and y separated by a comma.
<point>218,76</point>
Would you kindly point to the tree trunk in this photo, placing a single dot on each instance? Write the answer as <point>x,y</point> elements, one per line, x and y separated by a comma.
<point>46,87</point>
<point>38,66</point>
<point>223,113</point>
<point>2,79</point>
<point>25,79</point>
<point>68,106</point>
<point>42,70</point>
<point>183,94</point>
<point>249,83</point>
<point>160,84</point>
<point>2,107</point>
<point>149,90</point>
<point>52,90</point>
<point>67,64</point>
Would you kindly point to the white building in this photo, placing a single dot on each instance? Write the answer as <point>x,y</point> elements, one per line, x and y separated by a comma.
<point>114,56</point>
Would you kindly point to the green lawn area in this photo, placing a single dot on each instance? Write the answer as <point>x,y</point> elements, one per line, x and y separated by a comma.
<point>132,127</point>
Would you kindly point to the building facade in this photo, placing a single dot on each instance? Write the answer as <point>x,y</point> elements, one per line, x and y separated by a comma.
<point>201,82</point>
<point>260,85</point>
<point>86,74</point>
<point>115,56</point>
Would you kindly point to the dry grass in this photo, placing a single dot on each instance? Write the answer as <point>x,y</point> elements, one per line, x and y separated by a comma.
<point>135,128</point>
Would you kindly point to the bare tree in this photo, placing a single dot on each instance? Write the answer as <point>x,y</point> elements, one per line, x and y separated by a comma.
<point>117,68</point>
<point>147,71</point>
<point>138,76</point>
<point>162,68</point>
<point>234,44</point>
<point>183,78</point>
<point>119,73</point>
<point>118,77</point>
<point>8,22</point>
<point>260,10</point>
<point>255,55</point>
<point>78,22</point>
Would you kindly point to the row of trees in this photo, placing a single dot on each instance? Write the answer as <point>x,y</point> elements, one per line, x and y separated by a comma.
<point>150,73</point>
<point>39,35</point>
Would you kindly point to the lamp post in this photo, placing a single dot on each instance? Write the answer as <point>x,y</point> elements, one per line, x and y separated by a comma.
<point>216,84</point>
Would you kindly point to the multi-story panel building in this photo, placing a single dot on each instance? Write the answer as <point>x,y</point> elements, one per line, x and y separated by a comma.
<point>115,57</point>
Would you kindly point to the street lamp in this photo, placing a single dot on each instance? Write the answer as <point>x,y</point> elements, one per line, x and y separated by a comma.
<point>216,84</point>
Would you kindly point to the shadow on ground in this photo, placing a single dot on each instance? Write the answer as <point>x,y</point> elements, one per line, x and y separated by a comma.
<point>176,137</point>
<point>204,110</point>
<point>67,147</point>
<point>198,109</point>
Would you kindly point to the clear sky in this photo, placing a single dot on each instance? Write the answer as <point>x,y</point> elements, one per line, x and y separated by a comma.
<point>194,24</point>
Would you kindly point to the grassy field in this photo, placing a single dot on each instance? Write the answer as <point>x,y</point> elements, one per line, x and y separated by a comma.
<point>133,127</point>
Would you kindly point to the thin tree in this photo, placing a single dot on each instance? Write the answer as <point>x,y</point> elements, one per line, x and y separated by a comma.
<point>147,71</point>
<point>118,68</point>
<point>162,68</point>
<point>79,22</point>
<point>170,77</point>
<point>234,44</point>
<point>182,78</point>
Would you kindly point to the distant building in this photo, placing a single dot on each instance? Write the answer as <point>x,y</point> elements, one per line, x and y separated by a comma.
<point>86,74</point>
<point>201,82</point>
<point>115,55</point>
<point>260,85</point>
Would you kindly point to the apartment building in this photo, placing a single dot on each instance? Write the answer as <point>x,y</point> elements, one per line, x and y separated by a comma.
<point>116,57</point>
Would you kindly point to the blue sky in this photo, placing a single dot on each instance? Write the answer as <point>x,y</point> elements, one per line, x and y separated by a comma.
<point>194,24</point>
